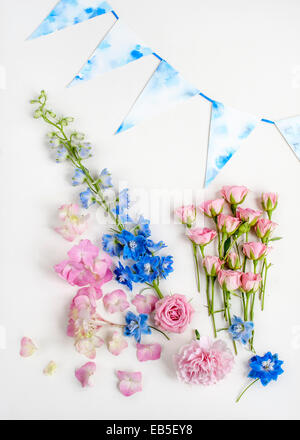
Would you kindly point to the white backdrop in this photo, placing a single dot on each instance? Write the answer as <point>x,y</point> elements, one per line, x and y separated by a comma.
<point>245,54</point>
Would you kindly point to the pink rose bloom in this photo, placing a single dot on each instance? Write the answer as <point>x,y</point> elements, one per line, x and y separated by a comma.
<point>203,362</point>
<point>186,214</point>
<point>233,261</point>
<point>248,215</point>
<point>148,352</point>
<point>255,250</point>
<point>228,224</point>
<point>269,201</point>
<point>145,303</point>
<point>212,208</point>
<point>201,236</point>
<point>74,224</point>
<point>250,282</point>
<point>234,194</point>
<point>116,301</point>
<point>264,228</point>
<point>84,374</point>
<point>129,383</point>
<point>229,279</point>
<point>173,313</point>
<point>212,265</point>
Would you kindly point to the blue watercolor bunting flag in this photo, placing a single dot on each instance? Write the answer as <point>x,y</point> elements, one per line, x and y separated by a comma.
<point>69,12</point>
<point>165,87</point>
<point>290,130</point>
<point>228,128</point>
<point>120,46</point>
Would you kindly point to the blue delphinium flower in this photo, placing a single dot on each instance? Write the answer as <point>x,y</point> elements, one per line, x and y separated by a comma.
<point>122,206</point>
<point>142,227</point>
<point>155,247</point>
<point>84,150</point>
<point>61,154</point>
<point>134,245</point>
<point>265,368</point>
<point>136,325</point>
<point>147,269</point>
<point>111,245</point>
<point>105,179</point>
<point>240,330</point>
<point>87,198</point>
<point>165,266</point>
<point>124,275</point>
<point>78,178</point>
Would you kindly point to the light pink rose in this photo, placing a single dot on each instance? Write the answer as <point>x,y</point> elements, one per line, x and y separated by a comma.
<point>28,348</point>
<point>255,250</point>
<point>84,373</point>
<point>269,201</point>
<point>173,313</point>
<point>229,279</point>
<point>148,352</point>
<point>116,301</point>
<point>203,362</point>
<point>234,194</point>
<point>212,208</point>
<point>186,214</point>
<point>233,261</point>
<point>129,383</point>
<point>250,282</point>
<point>248,215</point>
<point>201,236</point>
<point>264,228</point>
<point>212,265</point>
<point>144,303</point>
<point>228,224</point>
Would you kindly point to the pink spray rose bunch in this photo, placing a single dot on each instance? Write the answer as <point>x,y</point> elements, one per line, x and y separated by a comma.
<point>173,313</point>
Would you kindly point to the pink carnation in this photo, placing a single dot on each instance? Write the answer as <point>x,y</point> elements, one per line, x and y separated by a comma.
<point>204,362</point>
<point>173,313</point>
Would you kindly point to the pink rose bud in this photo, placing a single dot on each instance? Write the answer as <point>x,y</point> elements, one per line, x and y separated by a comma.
<point>250,282</point>
<point>264,228</point>
<point>234,194</point>
<point>269,201</point>
<point>255,250</point>
<point>228,224</point>
<point>212,208</point>
<point>229,279</point>
<point>186,214</point>
<point>233,261</point>
<point>201,236</point>
<point>212,265</point>
<point>248,215</point>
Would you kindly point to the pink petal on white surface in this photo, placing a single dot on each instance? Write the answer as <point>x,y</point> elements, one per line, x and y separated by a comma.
<point>129,383</point>
<point>84,374</point>
<point>148,352</point>
<point>28,348</point>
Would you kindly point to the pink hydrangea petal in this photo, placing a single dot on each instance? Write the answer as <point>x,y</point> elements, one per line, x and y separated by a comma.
<point>50,368</point>
<point>144,303</point>
<point>116,301</point>
<point>28,348</point>
<point>117,344</point>
<point>129,383</point>
<point>148,352</point>
<point>67,232</point>
<point>84,373</point>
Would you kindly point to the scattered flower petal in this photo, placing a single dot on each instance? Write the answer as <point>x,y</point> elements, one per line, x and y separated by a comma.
<point>28,348</point>
<point>148,352</point>
<point>50,368</point>
<point>144,303</point>
<point>84,373</point>
<point>117,344</point>
<point>130,383</point>
<point>116,301</point>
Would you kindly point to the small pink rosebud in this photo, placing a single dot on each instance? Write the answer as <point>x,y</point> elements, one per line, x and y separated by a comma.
<point>269,201</point>
<point>255,250</point>
<point>229,279</point>
<point>233,261</point>
<point>201,236</point>
<point>248,215</point>
<point>212,265</point>
<point>250,282</point>
<point>212,208</point>
<point>228,224</point>
<point>264,228</point>
<point>186,214</point>
<point>234,194</point>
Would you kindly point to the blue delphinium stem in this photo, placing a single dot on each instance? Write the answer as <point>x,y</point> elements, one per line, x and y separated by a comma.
<point>247,388</point>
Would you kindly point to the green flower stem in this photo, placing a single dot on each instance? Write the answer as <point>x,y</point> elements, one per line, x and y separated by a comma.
<point>213,280</point>
<point>246,310</point>
<point>225,304</point>
<point>262,274</point>
<point>154,328</point>
<point>197,265</point>
<point>230,322</point>
<point>250,385</point>
<point>264,285</point>
<point>207,294</point>
<point>224,238</point>
<point>157,289</point>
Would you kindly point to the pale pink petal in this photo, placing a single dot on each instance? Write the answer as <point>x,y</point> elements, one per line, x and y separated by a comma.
<point>115,301</point>
<point>50,368</point>
<point>148,352</point>
<point>67,232</point>
<point>85,253</point>
<point>88,346</point>
<point>117,344</point>
<point>129,383</point>
<point>68,211</point>
<point>28,348</point>
<point>145,303</point>
<point>84,373</point>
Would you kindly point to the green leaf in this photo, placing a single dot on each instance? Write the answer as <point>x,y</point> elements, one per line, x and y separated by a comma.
<point>276,238</point>
<point>227,245</point>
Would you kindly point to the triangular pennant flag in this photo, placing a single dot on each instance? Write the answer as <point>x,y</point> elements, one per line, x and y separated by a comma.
<point>165,87</point>
<point>228,128</point>
<point>120,46</point>
<point>69,12</point>
<point>290,130</point>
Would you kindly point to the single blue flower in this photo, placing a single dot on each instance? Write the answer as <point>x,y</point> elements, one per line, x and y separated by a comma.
<point>147,269</point>
<point>124,275</point>
<point>134,245</point>
<point>84,150</point>
<point>165,266</point>
<point>78,178</point>
<point>105,179</point>
<point>240,330</point>
<point>143,227</point>
<point>265,368</point>
<point>111,245</point>
<point>155,247</point>
<point>87,198</point>
<point>136,325</point>
<point>61,154</point>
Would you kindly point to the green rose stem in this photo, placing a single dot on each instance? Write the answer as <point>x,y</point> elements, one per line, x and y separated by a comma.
<point>154,286</point>
<point>154,328</point>
<point>255,262</point>
<point>207,283</point>
<point>213,280</point>
<point>247,388</point>
<point>197,265</point>
<point>227,293</point>
<point>267,266</point>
